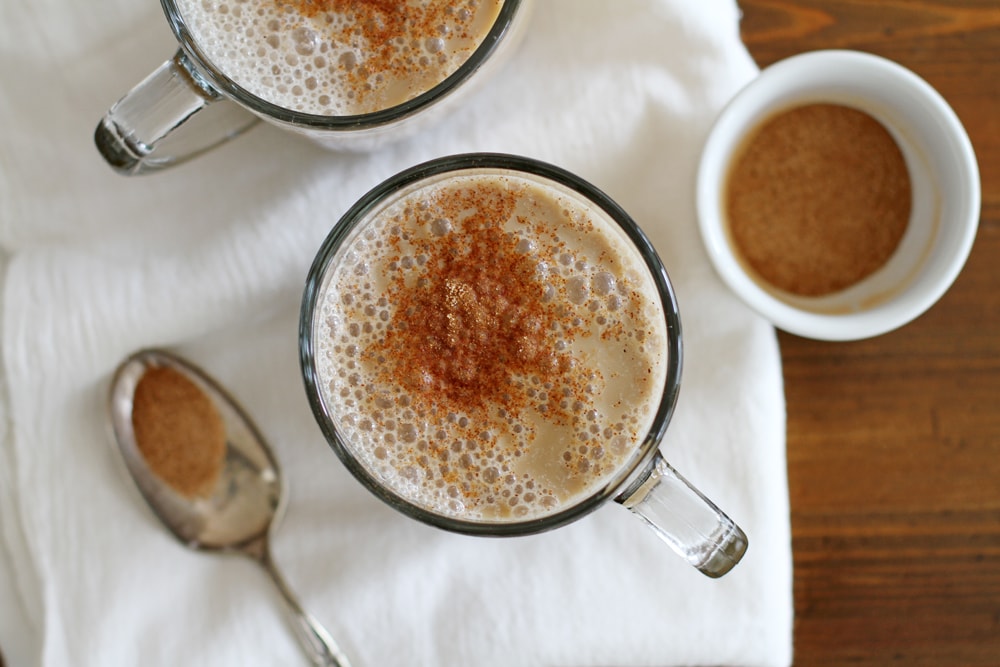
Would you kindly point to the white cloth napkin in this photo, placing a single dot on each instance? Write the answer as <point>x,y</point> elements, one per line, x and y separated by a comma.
<point>210,259</point>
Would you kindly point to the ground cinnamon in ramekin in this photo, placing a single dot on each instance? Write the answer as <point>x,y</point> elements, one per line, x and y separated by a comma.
<point>178,431</point>
<point>818,199</point>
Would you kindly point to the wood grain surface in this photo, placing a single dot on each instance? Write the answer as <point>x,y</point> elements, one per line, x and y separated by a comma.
<point>894,442</point>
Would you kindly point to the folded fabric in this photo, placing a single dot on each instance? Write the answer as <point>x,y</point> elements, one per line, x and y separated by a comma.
<point>209,259</point>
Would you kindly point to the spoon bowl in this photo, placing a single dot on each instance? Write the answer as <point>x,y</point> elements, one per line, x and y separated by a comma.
<point>245,503</point>
<point>248,497</point>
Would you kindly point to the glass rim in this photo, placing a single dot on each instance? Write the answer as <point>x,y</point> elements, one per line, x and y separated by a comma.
<point>217,80</point>
<point>359,213</point>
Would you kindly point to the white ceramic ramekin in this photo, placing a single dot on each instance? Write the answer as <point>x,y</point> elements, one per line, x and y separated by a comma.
<point>943,173</point>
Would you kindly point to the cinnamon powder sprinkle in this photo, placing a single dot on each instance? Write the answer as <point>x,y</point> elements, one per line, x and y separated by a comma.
<point>178,431</point>
<point>477,319</point>
<point>818,199</point>
<point>379,28</point>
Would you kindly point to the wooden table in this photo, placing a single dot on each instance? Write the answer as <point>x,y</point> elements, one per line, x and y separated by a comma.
<point>894,442</point>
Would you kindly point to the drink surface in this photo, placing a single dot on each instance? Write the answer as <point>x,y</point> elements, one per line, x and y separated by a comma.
<point>338,57</point>
<point>491,348</point>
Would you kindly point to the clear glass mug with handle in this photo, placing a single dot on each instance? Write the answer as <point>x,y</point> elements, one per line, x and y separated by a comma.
<point>492,346</point>
<point>193,103</point>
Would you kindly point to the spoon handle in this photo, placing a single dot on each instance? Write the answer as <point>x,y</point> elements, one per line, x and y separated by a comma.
<point>317,643</point>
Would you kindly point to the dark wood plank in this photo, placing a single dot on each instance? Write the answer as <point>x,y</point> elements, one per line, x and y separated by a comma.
<point>894,442</point>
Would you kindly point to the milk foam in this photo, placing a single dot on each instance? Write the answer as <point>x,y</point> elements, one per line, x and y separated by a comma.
<point>541,440</point>
<point>338,57</point>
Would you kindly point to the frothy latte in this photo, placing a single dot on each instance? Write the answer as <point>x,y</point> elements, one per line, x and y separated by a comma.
<point>491,347</point>
<point>338,57</point>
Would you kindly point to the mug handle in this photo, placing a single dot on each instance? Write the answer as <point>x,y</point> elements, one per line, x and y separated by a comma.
<point>686,520</point>
<point>140,133</point>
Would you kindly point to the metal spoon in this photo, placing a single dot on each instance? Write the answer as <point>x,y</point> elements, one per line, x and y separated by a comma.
<point>248,498</point>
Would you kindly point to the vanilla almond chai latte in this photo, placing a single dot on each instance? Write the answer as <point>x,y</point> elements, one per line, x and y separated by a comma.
<point>492,349</point>
<point>338,57</point>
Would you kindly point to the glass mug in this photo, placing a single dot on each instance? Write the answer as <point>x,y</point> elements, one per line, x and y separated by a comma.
<point>492,346</point>
<point>190,104</point>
